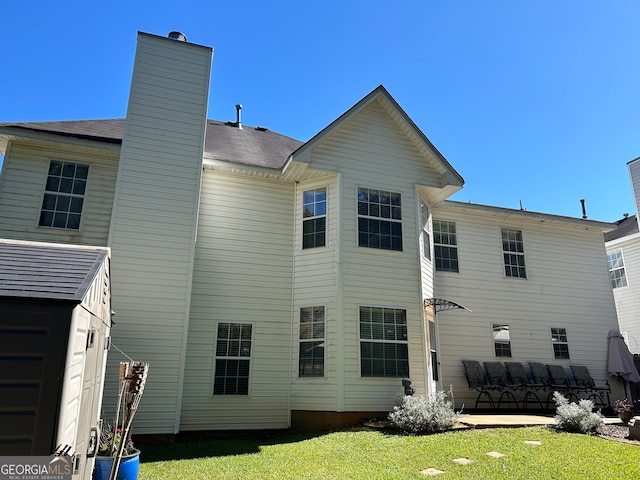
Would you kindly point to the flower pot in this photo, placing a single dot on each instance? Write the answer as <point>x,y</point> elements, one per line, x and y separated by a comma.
<point>625,416</point>
<point>128,469</point>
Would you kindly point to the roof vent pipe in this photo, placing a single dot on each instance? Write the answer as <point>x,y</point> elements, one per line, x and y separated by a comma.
<point>238,120</point>
<point>178,36</point>
<point>584,210</point>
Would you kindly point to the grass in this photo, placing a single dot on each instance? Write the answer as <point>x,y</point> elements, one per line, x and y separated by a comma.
<point>370,454</point>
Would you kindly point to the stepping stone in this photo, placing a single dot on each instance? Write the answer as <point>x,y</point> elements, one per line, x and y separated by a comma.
<point>496,454</point>
<point>532,442</point>
<point>431,472</point>
<point>463,461</point>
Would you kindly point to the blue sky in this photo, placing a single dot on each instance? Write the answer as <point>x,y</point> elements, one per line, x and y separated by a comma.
<point>531,101</point>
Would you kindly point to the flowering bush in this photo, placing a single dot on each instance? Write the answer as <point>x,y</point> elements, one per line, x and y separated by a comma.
<point>110,439</point>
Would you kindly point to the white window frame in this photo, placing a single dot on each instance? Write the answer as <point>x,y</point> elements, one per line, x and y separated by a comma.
<point>240,357</point>
<point>380,216</point>
<point>369,339</point>
<point>446,241</point>
<point>500,340</point>
<point>64,195</point>
<point>560,339</point>
<point>513,253</point>
<point>617,271</point>
<point>314,208</point>
<point>312,339</point>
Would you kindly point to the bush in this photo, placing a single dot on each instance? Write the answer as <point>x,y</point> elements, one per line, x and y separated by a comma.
<point>576,417</point>
<point>417,414</point>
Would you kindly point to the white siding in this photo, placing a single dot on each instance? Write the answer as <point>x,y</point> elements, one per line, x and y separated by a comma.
<point>566,286</point>
<point>22,189</point>
<point>154,220</point>
<point>627,298</point>
<point>371,151</point>
<point>242,274</point>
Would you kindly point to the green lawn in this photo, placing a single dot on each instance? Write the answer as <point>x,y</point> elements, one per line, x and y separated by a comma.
<point>376,455</point>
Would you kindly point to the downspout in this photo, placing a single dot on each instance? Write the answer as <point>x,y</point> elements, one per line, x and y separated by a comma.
<point>293,286</point>
<point>340,298</point>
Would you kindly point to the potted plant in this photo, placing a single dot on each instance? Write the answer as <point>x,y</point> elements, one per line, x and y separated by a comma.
<point>110,443</point>
<point>624,409</point>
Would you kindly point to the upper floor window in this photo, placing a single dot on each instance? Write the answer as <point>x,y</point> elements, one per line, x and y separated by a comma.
<point>616,268</point>
<point>233,350</point>
<point>311,358</point>
<point>445,244</point>
<point>513,253</point>
<point>314,214</point>
<point>384,350</point>
<point>379,219</point>
<point>560,343</point>
<point>501,340</point>
<point>64,195</point>
<point>426,231</point>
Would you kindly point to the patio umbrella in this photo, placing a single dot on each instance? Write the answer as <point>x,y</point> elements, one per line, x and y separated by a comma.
<point>621,359</point>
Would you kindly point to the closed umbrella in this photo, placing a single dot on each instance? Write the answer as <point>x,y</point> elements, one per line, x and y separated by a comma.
<point>621,359</point>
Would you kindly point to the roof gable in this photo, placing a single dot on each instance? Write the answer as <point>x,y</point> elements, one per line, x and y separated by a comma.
<point>449,176</point>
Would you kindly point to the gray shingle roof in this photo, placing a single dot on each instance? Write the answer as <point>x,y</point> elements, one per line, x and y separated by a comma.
<point>251,146</point>
<point>45,271</point>
<point>625,226</point>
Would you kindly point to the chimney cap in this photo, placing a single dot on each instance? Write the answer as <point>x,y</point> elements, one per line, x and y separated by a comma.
<point>178,36</point>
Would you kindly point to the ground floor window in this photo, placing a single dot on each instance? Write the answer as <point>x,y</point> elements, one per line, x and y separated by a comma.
<point>560,343</point>
<point>311,358</point>
<point>501,340</point>
<point>384,350</point>
<point>233,352</point>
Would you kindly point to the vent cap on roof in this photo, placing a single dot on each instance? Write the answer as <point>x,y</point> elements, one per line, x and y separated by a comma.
<point>178,36</point>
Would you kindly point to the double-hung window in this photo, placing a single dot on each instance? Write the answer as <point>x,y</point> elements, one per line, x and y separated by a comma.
<point>616,268</point>
<point>383,342</point>
<point>445,242</point>
<point>560,343</point>
<point>314,215</point>
<point>311,358</point>
<point>513,253</point>
<point>501,340</point>
<point>379,219</point>
<point>233,352</point>
<point>64,195</point>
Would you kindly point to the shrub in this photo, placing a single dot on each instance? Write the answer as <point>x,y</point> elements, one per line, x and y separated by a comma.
<point>576,417</point>
<point>417,414</point>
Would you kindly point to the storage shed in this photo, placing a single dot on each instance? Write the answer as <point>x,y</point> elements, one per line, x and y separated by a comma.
<point>55,317</point>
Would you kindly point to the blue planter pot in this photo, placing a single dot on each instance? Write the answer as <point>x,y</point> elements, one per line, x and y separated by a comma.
<point>128,469</point>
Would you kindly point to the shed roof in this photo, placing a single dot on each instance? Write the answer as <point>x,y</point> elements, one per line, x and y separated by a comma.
<point>224,141</point>
<point>624,227</point>
<point>48,271</point>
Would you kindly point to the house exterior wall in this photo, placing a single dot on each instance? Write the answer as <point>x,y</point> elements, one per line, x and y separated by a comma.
<point>22,186</point>
<point>154,219</point>
<point>566,287</point>
<point>370,151</point>
<point>242,274</point>
<point>627,298</point>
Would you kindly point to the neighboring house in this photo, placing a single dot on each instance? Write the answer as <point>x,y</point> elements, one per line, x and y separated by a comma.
<point>270,282</point>
<point>55,317</point>
<point>623,252</point>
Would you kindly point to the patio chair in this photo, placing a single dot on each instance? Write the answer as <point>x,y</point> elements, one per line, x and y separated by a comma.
<point>499,379</point>
<point>560,382</point>
<point>540,374</point>
<point>476,380</point>
<point>595,390</point>
<point>519,376</point>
